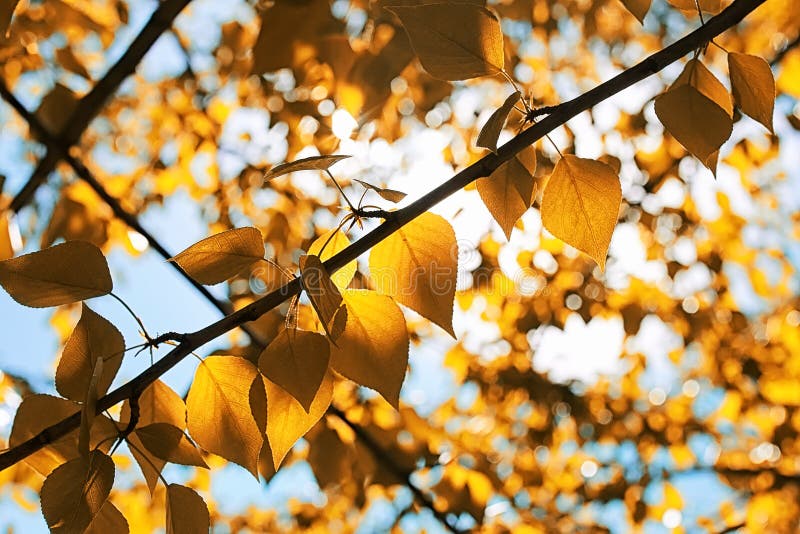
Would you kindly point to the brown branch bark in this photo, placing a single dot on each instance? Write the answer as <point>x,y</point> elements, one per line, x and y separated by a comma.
<point>91,104</point>
<point>713,27</point>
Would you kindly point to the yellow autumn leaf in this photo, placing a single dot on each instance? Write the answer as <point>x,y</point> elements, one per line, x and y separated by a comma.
<point>454,41</point>
<point>6,246</point>
<point>323,294</point>
<point>108,519</point>
<point>753,86</point>
<point>288,421</point>
<point>508,191</point>
<point>218,410</point>
<point>222,256</point>
<point>93,339</point>
<point>297,361</point>
<point>334,242</point>
<point>487,138</point>
<point>89,410</point>
<point>418,266</point>
<point>158,403</point>
<point>169,443</point>
<point>38,412</point>
<point>694,120</point>
<point>76,491</point>
<point>7,8</point>
<point>581,203</point>
<point>187,512</point>
<point>638,8</point>
<point>63,274</point>
<point>313,163</point>
<point>373,349</point>
<point>690,6</point>
<point>698,76</point>
<point>391,195</point>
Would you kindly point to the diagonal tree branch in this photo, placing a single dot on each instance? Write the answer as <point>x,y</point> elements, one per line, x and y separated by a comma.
<point>91,104</point>
<point>653,64</point>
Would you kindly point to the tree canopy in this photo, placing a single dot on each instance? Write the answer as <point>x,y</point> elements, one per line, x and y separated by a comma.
<point>400,265</point>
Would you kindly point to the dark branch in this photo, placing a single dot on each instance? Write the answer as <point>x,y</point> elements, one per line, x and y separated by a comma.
<point>91,104</point>
<point>713,27</point>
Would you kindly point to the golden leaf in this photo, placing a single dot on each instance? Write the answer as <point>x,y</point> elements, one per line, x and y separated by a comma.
<point>387,194</point>
<point>638,8</point>
<point>6,12</point>
<point>6,246</point>
<point>288,421</point>
<point>187,512</point>
<point>334,241</point>
<point>417,266</point>
<point>313,163</point>
<point>89,408</point>
<point>323,294</point>
<point>694,120</point>
<point>508,191</point>
<point>690,6</point>
<point>454,41</point>
<point>487,138</point>
<point>66,273</point>
<point>169,443</point>
<point>373,349</point>
<point>158,403</point>
<point>297,361</point>
<point>698,76</point>
<point>753,86</point>
<point>76,491</point>
<point>108,519</point>
<point>93,339</point>
<point>222,256</point>
<point>218,408</point>
<point>580,205</point>
<point>38,412</point>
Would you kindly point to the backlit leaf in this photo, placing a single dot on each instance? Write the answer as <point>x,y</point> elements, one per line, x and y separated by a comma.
<point>6,246</point>
<point>454,41</point>
<point>638,8</point>
<point>323,294</point>
<point>108,519</point>
<point>169,443</point>
<point>89,408</point>
<point>698,76</point>
<point>92,339</point>
<point>187,512</point>
<point>373,350</point>
<point>581,203</point>
<point>336,241</point>
<point>38,412</point>
<point>313,163</point>
<point>76,491</point>
<point>158,403</point>
<point>508,191</point>
<point>417,266</point>
<point>219,416</point>
<point>297,361</point>
<point>7,8</point>
<point>222,256</point>
<point>694,120</point>
<point>690,6</point>
<point>288,421</point>
<point>753,86</point>
<point>66,273</point>
<point>491,130</point>
<point>387,194</point>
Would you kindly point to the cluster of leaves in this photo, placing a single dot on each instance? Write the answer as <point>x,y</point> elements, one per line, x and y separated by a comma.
<point>251,406</point>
